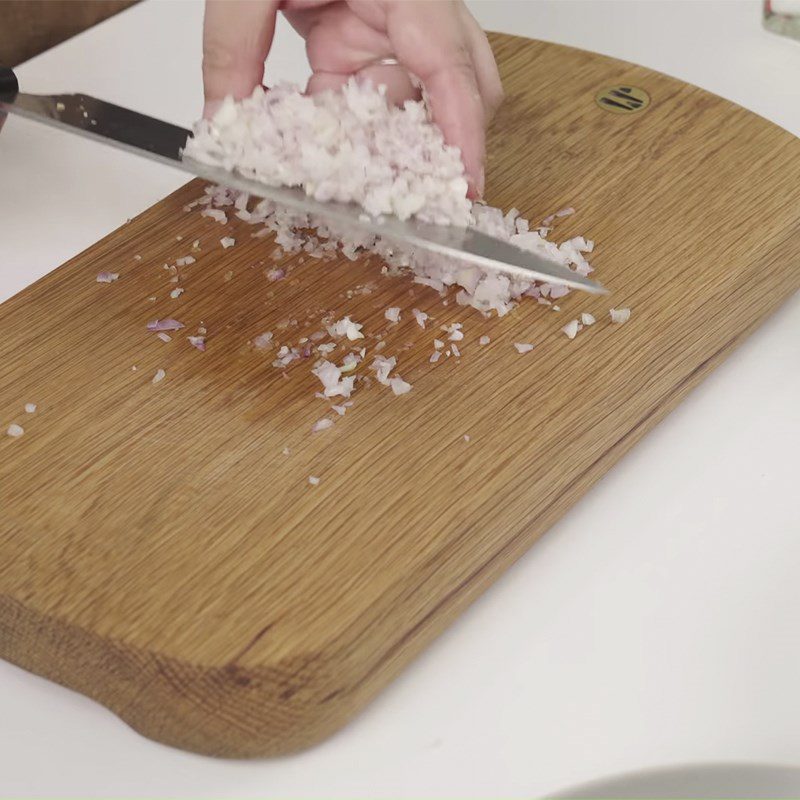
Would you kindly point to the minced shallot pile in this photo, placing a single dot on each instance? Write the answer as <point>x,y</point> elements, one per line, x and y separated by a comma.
<point>352,146</point>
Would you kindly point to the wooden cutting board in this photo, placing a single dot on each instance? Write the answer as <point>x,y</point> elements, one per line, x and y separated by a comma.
<point>160,553</point>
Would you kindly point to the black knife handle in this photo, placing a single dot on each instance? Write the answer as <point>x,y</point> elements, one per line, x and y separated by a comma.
<point>9,86</point>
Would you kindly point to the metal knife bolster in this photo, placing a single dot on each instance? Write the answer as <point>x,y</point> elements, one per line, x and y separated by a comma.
<point>164,142</point>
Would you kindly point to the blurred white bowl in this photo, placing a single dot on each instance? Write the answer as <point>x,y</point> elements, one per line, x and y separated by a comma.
<point>697,781</point>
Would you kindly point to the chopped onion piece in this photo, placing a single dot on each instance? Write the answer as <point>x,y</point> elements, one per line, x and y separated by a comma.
<point>168,324</point>
<point>571,329</point>
<point>185,261</point>
<point>313,480</point>
<point>420,317</point>
<point>466,437</point>
<point>263,341</point>
<point>286,451</point>
<point>159,376</point>
<point>392,314</point>
<point>523,347</point>
<point>350,361</point>
<point>484,340</point>
<point>107,277</point>
<point>215,214</point>
<point>438,344</point>
<point>587,319</point>
<point>565,212</point>
<point>14,430</point>
<point>331,377</point>
<point>322,424</point>
<point>165,337</point>
<point>620,315</point>
<point>383,366</point>
<point>399,386</point>
<point>276,275</point>
<point>227,241</point>
<point>340,410</point>
<point>558,290</point>
<point>30,408</point>
<point>435,356</point>
<point>456,351</point>
<point>176,293</point>
<point>346,327</point>
<point>198,342</point>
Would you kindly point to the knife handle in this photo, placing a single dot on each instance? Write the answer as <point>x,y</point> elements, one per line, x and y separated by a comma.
<point>9,86</point>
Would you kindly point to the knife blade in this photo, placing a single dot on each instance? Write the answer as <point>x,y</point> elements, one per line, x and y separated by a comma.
<point>161,141</point>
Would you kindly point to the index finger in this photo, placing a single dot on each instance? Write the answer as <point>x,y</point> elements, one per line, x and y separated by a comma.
<point>237,35</point>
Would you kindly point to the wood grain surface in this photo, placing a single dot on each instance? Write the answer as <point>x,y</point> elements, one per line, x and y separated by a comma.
<point>29,27</point>
<point>159,553</point>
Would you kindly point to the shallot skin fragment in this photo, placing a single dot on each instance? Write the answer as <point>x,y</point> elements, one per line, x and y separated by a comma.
<point>168,324</point>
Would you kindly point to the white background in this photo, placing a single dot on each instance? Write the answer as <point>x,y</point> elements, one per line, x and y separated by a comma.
<point>657,623</point>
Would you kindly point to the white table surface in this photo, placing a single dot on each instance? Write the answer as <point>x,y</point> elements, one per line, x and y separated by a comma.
<point>655,624</point>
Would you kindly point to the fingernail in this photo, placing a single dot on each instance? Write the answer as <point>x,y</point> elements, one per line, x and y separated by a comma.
<point>210,108</point>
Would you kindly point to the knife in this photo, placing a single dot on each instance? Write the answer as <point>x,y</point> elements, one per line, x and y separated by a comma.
<point>164,142</point>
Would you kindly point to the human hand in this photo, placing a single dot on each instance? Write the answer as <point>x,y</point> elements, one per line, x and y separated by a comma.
<point>438,41</point>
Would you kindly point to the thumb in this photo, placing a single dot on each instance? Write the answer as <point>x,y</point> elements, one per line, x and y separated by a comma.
<point>237,35</point>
